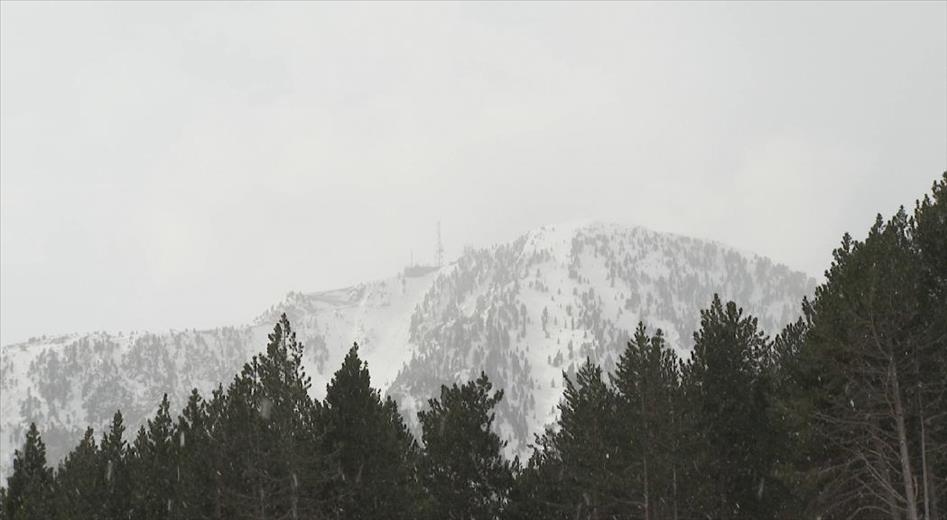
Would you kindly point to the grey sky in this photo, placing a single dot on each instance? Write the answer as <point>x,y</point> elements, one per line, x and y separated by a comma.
<point>180,165</point>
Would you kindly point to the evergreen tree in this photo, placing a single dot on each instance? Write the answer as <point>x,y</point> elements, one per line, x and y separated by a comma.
<point>271,437</point>
<point>30,490</point>
<point>79,482</point>
<point>874,361</point>
<point>153,460</point>
<point>929,233</point>
<point>115,476</point>
<point>647,381</point>
<point>376,454</point>
<point>219,465</point>
<point>195,486</point>
<point>725,389</point>
<point>790,418</point>
<point>462,465</point>
<point>580,463</point>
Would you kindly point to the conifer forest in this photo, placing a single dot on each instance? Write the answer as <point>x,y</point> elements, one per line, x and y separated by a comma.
<point>843,414</point>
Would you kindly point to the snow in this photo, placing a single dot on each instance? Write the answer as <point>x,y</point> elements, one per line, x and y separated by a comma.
<point>378,315</point>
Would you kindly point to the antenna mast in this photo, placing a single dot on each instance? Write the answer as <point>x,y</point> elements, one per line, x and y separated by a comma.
<point>439,247</point>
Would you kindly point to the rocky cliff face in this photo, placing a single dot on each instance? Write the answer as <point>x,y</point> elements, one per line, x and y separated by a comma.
<point>524,312</point>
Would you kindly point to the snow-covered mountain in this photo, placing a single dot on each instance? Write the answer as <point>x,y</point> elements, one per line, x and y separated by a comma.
<point>523,311</point>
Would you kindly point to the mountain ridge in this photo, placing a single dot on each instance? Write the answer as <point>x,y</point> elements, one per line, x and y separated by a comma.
<point>523,311</point>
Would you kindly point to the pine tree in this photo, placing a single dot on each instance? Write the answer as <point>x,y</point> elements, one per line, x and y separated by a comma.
<point>153,460</point>
<point>29,492</point>
<point>463,468</point>
<point>376,454</point>
<point>875,343</point>
<point>929,234</point>
<point>725,390</point>
<point>79,482</point>
<point>271,437</point>
<point>113,454</point>
<point>647,382</point>
<point>791,421</point>
<point>580,463</point>
<point>219,465</point>
<point>196,483</point>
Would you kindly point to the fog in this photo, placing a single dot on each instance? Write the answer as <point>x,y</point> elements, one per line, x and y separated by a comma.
<point>180,165</point>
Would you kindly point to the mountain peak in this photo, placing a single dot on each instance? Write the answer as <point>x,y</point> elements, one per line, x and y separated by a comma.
<point>524,311</point>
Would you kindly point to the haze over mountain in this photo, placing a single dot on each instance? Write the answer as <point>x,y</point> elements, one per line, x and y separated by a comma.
<point>160,154</point>
<point>522,311</point>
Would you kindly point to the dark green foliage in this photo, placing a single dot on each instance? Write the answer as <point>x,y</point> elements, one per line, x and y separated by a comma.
<point>647,379</point>
<point>463,468</point>
<point>195,461</point>
<point>79,482</point>
<point>153,461</point>
<point>929,233</point>
<point>790,419</point>
<point>872,365</point>
<point>726,393</point>
<point>272,466</point>
<point>582,461</point>
<point>929,241</point>
<point>116,477</point>
<point>615,453</point>
<point>375,453</point>
<point>29,491</point>
<point>842,415</point>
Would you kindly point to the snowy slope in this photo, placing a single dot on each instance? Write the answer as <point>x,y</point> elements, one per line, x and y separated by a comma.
<point>524,312</point>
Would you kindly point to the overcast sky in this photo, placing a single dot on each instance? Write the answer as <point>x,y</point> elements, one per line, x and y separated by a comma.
<point>179,165</point>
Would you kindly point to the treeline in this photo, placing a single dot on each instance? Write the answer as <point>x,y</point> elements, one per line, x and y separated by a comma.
<point>842,415</point>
